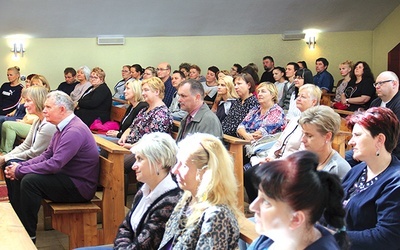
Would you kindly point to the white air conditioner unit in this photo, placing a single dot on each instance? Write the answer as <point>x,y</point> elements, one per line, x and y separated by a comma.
<point>110,40</point>
<point>293,36</point>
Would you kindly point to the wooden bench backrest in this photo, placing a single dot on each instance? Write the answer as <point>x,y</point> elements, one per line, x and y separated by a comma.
<point>117,113</point>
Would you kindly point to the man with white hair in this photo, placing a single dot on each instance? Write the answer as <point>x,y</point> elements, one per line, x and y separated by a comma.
<point>66,172</point>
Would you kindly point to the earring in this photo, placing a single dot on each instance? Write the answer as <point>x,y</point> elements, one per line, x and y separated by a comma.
<point>377,153</point>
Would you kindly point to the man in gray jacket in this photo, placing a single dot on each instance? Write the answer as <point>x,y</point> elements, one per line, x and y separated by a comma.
<point>199,118</point>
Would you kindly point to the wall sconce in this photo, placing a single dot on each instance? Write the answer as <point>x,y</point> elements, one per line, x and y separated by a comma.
<point>311,42</point>
<point>18,48</point>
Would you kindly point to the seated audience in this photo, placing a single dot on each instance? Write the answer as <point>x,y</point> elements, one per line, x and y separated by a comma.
<point>320,124</point>
<point>164,72</point>
<point>11,129</point>
<point>120,86</point>
<point>359,92</point>
<point>175,108</point>
<point>83,77</point>
<point>39,135</point>
<point>70,81</point>
<point>200,119</point>
<point>136,72</point>
<point>194,73</point>
<point>345,69</point>
<point>302,76</point>
<point>244,86</point>
<point>10,92</point>
<point>206,216</point>
<point>144,225</point>
<point>96,101</point>
<point>302,64</point>
<point>222,73</point>
<point>266,119</point>
<point>372,188</point>
<point>269,65</point>
<point>149,72</point>
<point>290,71</point>
<point>210,85</point>
<point>185,69</point>
<point>281,81</point>
<point>133,94</point>
<point>40,80</point>
<point>288,142</point>
<point>236,69</point>
<point>67,171</point>
<point>253,71</point>
<point>323,79</point>
<point>154,118</point>
<point>292,197</point>
<point>226,95</point>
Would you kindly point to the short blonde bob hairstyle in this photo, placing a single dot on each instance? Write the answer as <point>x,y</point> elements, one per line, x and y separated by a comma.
<point>155,84</point>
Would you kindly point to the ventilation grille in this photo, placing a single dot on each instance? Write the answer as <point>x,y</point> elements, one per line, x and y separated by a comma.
<point>292,36</point>
<point>110,40</point>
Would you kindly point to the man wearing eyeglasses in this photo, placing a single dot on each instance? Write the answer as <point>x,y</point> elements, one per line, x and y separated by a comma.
<point>387,90</point>
<point>163,72</point>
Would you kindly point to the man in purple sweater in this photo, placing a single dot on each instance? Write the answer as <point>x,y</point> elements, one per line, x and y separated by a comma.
<point>66,172</point>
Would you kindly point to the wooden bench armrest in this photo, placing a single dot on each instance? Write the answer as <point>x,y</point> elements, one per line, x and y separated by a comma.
<point>234,140</point>
<point>247,230</point>
<point>109,146</point>
<point>120,100</point>
<point>343,112</point>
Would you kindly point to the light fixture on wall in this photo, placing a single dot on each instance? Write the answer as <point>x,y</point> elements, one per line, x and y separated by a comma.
<point>18,49</point>
<point>311,42</point>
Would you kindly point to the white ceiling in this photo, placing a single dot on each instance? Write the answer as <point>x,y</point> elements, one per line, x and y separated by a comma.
<point>134,18</point>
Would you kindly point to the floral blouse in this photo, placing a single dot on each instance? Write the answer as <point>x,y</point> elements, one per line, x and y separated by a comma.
<point>158,119</point>
<point>236,114</point>
<point>270,123</point>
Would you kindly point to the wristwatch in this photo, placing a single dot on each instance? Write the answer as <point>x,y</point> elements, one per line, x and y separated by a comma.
<point>347,101</point>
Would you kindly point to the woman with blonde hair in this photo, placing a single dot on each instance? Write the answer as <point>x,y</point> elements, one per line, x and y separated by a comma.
<point>10,92</point>
<point>206,216</point>
<point>133,94</point>
<point>345,69</point>
<point>266,119</point>
<point>225,96</point>
<point>154,118</point>
<point>40,80</point>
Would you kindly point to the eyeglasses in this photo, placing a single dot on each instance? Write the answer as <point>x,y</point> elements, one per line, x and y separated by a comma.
<point>125,71</point>
<point>160,69</point>
<point>376,84</point>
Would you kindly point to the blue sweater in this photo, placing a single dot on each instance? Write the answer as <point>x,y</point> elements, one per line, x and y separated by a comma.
<point>373,215</point>
<point>326,242</point>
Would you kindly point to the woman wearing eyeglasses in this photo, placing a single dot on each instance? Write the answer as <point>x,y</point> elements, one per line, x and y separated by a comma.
<point>96,101</point>
<point>120,86</point>
<point>302,77</point>
<point>360,90</point>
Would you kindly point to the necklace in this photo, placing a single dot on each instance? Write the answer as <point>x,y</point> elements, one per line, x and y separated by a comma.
<point>323,163</point>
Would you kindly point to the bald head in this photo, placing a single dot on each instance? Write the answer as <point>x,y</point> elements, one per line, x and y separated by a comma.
<point>163,71</point>
<point>387,85</point>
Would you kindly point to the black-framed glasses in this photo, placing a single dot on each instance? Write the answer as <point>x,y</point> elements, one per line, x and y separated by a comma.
<point>158,69</point>
<point>376,84</point>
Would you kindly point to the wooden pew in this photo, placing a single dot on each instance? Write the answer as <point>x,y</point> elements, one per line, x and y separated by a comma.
<point>247,230</point>
<point>79,220</point>
<point>12,233</point>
